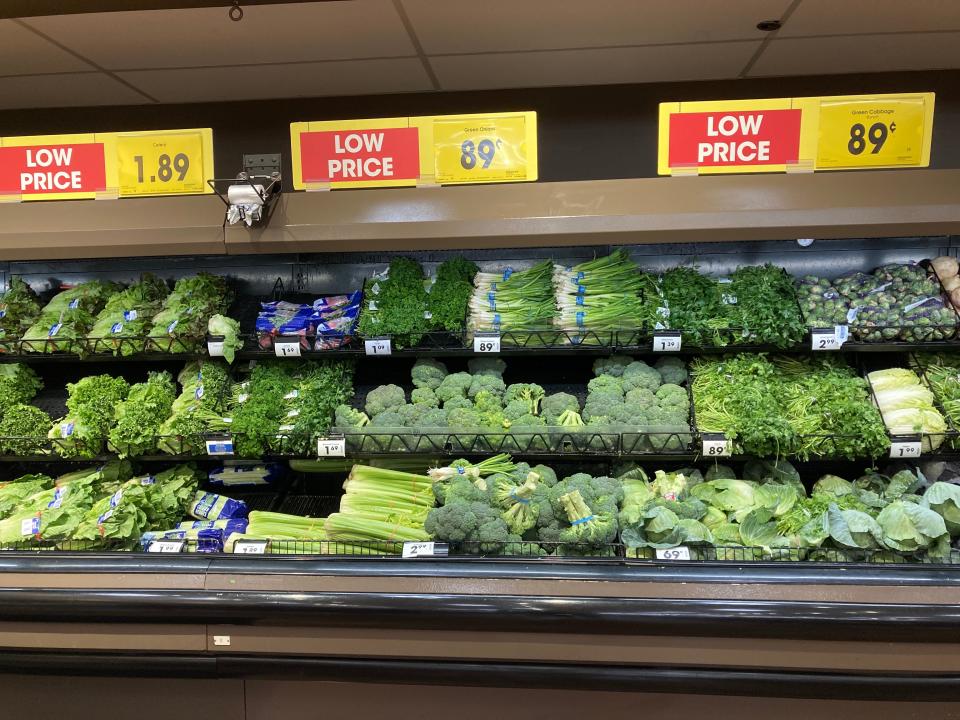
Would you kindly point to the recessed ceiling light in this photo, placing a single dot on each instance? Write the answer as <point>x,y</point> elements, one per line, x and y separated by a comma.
<point>769,25</point>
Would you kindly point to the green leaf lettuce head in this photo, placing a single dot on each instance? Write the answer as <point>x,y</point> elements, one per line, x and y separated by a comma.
<point>139,417</point>
<point>18,384</point>
<point>23,430</point>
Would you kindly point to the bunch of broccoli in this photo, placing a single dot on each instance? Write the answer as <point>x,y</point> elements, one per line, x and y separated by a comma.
<point>629,396</point>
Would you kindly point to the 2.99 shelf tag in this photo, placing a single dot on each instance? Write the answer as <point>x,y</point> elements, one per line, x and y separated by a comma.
<point>677,553</point>
<point>378,346</point>
<point>716,445</point>
<point>165,546</point>
<point>286,347</point>
<point>666,342</point>
<point>822,339</point>
<point>331,447</point>
<point>486,343</point>
<point>250,547</point>
<point>906,447</point>
<point>215,348</point>
<point>425,549</point>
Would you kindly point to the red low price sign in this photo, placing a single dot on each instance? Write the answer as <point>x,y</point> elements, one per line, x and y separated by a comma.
<point>358,156</point>
<point>734,138</point>
<point>43,169</point>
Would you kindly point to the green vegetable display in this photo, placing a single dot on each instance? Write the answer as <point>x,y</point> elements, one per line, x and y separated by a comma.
<point>198,410</point>
<point>126,316</point>
<point>907,406</point>
<point>221,326</point>
<point>65,321</point>
<point>90,415</point>
<point>514,300</point>
<point>19,309</point>
<point>181,324</point>
<point>23,430</point>
<point>449,295</point>
<point>18,384</point>
<point>139,417</point>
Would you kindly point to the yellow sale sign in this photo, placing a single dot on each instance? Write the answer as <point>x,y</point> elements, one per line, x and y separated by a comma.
<point>804,134</point>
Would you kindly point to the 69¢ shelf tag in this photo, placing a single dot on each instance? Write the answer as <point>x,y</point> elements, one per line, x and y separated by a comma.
<point>378,346</point>
<point>486,343</point>
<point>667,341</point>
<point>677,553</point>
<point>716,445</point>
<point>331,447</point>
<point>906,447</point>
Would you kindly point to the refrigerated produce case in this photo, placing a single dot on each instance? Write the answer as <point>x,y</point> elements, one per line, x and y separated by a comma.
<point>732,621</point>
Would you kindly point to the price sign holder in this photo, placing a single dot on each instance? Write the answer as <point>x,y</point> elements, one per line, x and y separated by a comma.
<point>904,447</point>
<point>378,346</point>
<point>825,339</point>
<point>287,346</point>
<point>677,553</point>
<point>716,445</point>
<point>667,341</point>
<point>425,549</point>
<point>166,546</point>
<point>331,447</point>
<point>221,444</point>
<point>486,343</point>
<point>499,147</point>
<point>215,346</point>
<point>250,547</point>
<point>164,162</point>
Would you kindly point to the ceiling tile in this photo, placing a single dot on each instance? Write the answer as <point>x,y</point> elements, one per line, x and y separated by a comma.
<point>348,77</point>
<point>832,17</point>
<point>203,37</point>
<point>593,67</point>
<point>465,26</point>
<point>76,89</point>
<point>865,53</point>
<point>22,51</point>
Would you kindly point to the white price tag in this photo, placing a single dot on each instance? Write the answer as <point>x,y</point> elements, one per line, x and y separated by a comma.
<point>166,546</point>
<point>716,445</point>
<point>286,348</point>
<point>677,553</point>
<point>250,547</point>
<point>220,446</point>
<point>331,447</point>
<point>425,549</point>
<point>902,449</point>
<point>378,346</point>
<point>822,339</point>
<point>215,348</point>
<point>486,343</point>
<point>666,342</point>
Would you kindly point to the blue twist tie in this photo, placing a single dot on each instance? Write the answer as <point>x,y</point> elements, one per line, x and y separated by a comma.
<point>581,289</point>
<point>496,319</point>
<point>507,273</point>
<point>580,317</point>
<point>581,275</point>
<point>492,299</point>
<point>520,500</point>
<point>580,300</point>
<point>461,470</point>
<point>581,521</point>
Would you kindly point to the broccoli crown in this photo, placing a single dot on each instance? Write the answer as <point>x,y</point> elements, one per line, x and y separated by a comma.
<point>460,418</point>
<point>491,409</point>
<point>492,384</point>
<point>547,476</point>
<point>672,369</point>
<point>530,392</point>
<point>602,494</point>
<point>424,396</point>
<point>486,366</point>
<point>347,417</point>
<point>601,412</point>
<point>549,524</point>
<point>640,397</point>
<point>413,414</point>
<point>526,422</point>
<point>383,398</point>
<point>454,385</point>
<point>469,521</point>
<point>587,526</point>
<point>640,375</point>
<point>464,403</point>
<point>555,405</point>
<point>673,397</point>
<point>612,366</point>
<point>463,488</point>
<point>434,418</point>
<point>516,409</point>
<point>605,384</point>
<point>428,373</point>
<point>388,419</point>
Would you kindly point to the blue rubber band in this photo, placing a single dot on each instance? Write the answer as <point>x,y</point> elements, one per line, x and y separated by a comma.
<point>581,521</point>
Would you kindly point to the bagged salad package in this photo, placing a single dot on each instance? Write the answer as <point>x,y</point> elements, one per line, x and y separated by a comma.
<point>326,323</point>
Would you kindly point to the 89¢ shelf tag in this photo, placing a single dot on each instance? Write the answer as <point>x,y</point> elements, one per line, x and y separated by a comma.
<point>286,347</point>
<point>250,547</point>
<point>378,346</point>
<point>666,342</point>
<point>215,348</point>
<point>425,549</point>
<point>331,447</point>
<point>716,445</point>
<point>166,546</point>
<point>677,553</point>
<point>486,343</point>
<point>906,447</point>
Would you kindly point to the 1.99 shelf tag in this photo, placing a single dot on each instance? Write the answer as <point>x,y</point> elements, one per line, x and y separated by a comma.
<point>250,547</point>
<point>286,347</point>
<point>425,549</point>
<point>677,553</point>
<point>716,445</point>
<point>378,346</point>
<point>331,447</point>
<point>486,343</point>
<point>166,546</point>
<point>906,446</point>
<point>215,348</point>
<point>822,339</point>
<point>666,341</point>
